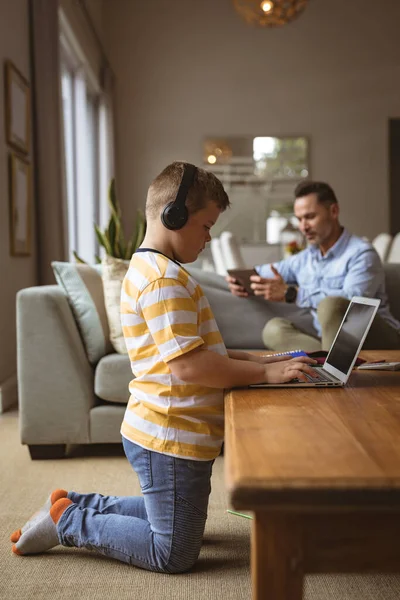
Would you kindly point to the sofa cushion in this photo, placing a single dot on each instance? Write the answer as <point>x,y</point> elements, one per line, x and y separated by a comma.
<point>84,289</point>
<point>113,273</point>
<point>112,376</point>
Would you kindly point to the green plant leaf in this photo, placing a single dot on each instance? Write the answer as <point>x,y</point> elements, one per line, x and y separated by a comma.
<point>118,237</point>
<point>112,199</point>
<point>78,258</point>
<point>137,236</point>
<point>112,238</point>
<point>122,243</point>
<point>97,259</point>
<point>103,241</point>
<point>112,235</point>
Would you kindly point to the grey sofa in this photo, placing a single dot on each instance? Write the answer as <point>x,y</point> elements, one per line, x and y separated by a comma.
<point>63,400</point>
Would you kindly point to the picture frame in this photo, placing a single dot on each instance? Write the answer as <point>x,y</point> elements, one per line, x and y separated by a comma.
<point>20,182</point>
<point>17,108</point>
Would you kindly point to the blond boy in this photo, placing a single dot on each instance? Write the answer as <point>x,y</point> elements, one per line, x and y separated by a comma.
<point>173,425</point>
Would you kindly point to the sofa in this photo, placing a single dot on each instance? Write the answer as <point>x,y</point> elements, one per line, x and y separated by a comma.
<point>65,400</point>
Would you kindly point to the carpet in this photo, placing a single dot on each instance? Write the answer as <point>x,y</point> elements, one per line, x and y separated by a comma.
<point>222,571</point>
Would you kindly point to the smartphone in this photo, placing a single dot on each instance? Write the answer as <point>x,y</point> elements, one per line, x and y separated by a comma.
<point>242,277</point>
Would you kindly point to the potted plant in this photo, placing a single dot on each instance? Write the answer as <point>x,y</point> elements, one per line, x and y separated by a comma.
<point>112,239</point>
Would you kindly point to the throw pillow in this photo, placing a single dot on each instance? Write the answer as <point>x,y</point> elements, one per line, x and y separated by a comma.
<point>113,273</point>
<point>84,289</point>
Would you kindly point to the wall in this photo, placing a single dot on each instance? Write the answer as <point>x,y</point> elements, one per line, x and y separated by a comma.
<point>186,70</point>
<point>95,10</point>
<point>15,272</point>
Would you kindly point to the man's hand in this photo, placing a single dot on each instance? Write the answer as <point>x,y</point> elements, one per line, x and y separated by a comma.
<point>271,289</point>
<point>235,287</point>
<point>295,368</point>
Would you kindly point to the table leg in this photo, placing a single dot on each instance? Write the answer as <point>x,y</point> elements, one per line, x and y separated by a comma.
<point>276,557</point>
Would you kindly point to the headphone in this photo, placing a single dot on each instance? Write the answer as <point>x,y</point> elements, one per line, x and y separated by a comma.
<point>175,214</point>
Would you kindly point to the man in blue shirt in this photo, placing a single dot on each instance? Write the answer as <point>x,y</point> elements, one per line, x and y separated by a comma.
<point>335,266</point>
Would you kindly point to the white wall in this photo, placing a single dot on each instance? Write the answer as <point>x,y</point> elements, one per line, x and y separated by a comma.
<point>15,272</point>
<point>187,69</point>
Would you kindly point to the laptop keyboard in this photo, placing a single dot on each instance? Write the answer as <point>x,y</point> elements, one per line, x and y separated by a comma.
<point>322,376</point>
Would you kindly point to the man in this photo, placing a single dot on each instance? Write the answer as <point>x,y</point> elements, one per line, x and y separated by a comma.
<point>335,266</point>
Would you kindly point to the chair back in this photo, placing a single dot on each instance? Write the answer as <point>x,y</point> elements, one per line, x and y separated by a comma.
<point>382,244</point>
<point>231,253</point>
<point>394,250</point>
<point>217,256</point>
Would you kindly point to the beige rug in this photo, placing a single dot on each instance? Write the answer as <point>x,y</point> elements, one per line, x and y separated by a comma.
<point>222,571</point>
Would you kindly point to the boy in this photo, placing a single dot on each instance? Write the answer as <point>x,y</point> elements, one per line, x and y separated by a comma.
<point>173,425</point>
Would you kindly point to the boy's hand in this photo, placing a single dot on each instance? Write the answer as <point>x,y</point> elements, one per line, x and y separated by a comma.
<point>281,371</point>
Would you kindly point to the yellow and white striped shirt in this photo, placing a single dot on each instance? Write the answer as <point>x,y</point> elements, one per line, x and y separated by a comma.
<point>165,314</point>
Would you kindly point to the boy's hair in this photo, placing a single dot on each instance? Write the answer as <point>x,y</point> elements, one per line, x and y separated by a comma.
<point>206,186</point>
<point>324,192</point>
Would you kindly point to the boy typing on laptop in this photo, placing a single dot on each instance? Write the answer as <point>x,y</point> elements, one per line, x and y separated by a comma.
<point>173,425</point>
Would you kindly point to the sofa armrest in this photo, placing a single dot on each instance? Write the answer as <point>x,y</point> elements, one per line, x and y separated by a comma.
<point>55,379</point>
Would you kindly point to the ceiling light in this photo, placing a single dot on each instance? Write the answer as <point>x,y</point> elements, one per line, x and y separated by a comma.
<point>269,13</point>
<point>266,6</point>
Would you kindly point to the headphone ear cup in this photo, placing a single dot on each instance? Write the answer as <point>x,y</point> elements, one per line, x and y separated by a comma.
<point>174,217</point>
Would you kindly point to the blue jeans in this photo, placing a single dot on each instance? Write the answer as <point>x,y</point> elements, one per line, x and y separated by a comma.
<point>161,531</point>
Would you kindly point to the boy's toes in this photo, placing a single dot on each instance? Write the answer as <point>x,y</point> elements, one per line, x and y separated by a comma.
<point>14,537</point>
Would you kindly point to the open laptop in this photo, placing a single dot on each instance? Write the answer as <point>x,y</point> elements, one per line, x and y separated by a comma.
<point>345,347</point>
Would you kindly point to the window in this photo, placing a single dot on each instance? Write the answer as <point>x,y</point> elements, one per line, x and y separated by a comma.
<point>87,149</point>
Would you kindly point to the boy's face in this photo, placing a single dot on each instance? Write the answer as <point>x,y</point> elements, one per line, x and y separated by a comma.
<point>192,238</point>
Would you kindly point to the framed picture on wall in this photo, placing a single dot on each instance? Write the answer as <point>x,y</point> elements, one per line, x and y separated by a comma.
<point>20,205</point>
<point>17,108</point>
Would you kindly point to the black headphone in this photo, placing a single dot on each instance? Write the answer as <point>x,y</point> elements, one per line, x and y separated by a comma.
<point>175,214</point>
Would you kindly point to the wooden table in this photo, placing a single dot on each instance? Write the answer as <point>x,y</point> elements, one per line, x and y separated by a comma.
<point>320,469</point>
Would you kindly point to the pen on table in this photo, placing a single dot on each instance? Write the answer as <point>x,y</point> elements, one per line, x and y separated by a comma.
<point>232,512</point>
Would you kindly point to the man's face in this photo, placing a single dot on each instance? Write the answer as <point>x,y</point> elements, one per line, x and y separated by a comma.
<point>192,238</point>
<point>317,221</point>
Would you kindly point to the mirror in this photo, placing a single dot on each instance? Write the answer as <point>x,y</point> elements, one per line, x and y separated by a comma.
<point>259,173</point>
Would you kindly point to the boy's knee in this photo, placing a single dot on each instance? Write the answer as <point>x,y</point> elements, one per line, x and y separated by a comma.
<point>182,561</point>
<point>184,567</point>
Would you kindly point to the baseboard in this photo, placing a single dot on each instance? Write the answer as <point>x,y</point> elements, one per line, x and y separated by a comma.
<point>8,394</point>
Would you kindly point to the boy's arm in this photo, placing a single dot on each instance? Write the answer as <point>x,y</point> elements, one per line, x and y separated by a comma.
<point>258,358</point>
<point>171,316</point>
<point>204,367</point>
<point>241,355</point>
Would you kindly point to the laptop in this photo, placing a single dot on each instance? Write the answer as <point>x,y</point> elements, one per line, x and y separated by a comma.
<point>344,350</point>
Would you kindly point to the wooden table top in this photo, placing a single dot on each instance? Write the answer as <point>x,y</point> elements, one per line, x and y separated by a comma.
<point>303,448</point>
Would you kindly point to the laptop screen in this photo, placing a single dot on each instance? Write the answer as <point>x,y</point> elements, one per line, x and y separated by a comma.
<point>348,340</point>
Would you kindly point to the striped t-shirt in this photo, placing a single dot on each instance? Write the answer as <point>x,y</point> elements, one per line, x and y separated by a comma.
<point>165,314</point>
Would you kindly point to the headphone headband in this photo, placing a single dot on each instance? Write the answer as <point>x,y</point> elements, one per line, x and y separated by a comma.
<point>175,214</point>
<point>189,171</point>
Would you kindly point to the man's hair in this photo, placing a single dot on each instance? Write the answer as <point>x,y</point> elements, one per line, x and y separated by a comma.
<point>206,186</point>
<point>324,192</point>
